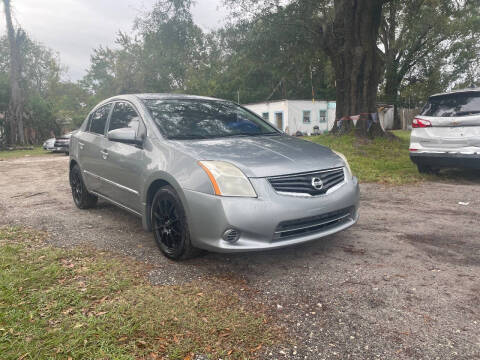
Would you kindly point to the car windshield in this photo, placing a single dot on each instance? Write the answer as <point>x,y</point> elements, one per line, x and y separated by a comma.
<point>460,104</point>
<point>203,119</point>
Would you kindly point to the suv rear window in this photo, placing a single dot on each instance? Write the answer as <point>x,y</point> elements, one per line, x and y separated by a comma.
<point>460,104</point>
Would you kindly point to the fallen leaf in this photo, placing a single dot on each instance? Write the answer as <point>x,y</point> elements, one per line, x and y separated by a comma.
<point>257,348</point>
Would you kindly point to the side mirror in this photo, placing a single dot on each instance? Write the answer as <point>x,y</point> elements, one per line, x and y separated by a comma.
<point>124,135</point>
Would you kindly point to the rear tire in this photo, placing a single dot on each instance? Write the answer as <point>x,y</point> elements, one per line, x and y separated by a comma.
<point>81,197</point>
<point>426,169</point>
<point>169,225</point>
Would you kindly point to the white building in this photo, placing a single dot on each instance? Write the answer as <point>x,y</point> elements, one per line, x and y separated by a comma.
<point>297,115</point>
<point>292,116</point>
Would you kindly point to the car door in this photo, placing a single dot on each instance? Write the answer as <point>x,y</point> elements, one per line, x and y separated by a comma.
<point>90,144</point>
<point>123,165</point>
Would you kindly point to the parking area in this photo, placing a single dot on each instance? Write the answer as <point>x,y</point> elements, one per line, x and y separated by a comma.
<point>403,283</point>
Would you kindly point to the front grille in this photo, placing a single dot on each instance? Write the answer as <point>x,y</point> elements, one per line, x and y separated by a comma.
<point>303,183</point>
<point>62,142</point>
<point>312,225</point>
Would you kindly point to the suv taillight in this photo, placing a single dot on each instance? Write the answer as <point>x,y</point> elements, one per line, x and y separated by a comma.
<point>421,123</point>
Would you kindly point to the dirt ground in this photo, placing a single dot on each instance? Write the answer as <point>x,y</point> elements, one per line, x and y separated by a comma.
<point>401,284</point>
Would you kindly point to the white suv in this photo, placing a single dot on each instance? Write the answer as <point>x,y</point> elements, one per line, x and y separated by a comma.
<point>447,133</point>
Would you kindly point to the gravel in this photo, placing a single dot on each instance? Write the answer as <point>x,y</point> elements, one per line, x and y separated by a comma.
<point>403,283</point>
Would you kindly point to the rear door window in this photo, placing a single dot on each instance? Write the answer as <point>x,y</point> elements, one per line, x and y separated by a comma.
<point>460,104</point>
<point>124,116</point>
<point>98,119</point>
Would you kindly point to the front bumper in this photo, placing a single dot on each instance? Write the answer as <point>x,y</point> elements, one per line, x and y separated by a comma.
<point>259,219</point>
<point>446,160</point>
<point>56,148</point>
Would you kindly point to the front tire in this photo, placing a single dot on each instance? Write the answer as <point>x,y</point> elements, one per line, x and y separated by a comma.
<point>169,225</point>
<point>81,197</point>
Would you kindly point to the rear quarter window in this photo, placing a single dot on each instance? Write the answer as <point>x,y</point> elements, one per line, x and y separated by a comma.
<point>460,104</point>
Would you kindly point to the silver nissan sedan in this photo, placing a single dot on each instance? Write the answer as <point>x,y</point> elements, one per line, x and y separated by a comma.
<point>205,173</point>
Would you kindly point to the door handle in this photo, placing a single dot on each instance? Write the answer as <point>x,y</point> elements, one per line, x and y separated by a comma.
<point>104,154</point>
<point>81,145</point>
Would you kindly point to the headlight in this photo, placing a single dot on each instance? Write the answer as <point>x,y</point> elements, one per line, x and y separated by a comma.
<point>347,165</point>
<point>227,179</point>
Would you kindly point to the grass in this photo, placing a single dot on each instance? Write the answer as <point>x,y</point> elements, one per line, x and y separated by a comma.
<point>72,304</point>
<point>36,151</point>
<point>384,160</point>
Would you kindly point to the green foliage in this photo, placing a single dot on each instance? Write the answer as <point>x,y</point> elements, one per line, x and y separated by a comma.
<point>57,303</point>
<point>429,47</point>
<point>166,48</point>
<point>384,160</point>
<point>12,154</point>
<point>254,60</point>
<point>268,51</point>
<point>51,105</point>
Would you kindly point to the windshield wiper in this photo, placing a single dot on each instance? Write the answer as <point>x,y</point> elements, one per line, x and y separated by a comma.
<point>189,137</point>
<point>247,134</point>
<point>472,112</point>
<point>268,134</point>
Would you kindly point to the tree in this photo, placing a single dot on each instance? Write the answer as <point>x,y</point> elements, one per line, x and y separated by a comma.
<point>15,113</point>
<point>165,46</point>
<point>350,40</point>
<point>48,102</point>
<point>262,59</point>
<point>172,45</point>
<point>419,35</point>
<point>347,30</point>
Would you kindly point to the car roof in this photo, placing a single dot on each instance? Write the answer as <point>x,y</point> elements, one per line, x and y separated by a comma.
<point>161,96</point>
<point>458,91</point>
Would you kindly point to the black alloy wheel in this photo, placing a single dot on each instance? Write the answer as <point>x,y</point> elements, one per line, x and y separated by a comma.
<point>169,225</point>
<point>82,198</point>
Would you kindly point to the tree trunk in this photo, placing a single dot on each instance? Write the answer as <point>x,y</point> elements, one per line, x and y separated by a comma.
<point>352,47</point>
<point>15,108</point>
<point>392,86</point>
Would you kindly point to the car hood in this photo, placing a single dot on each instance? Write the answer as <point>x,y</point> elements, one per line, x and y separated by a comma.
<point>263,156</point>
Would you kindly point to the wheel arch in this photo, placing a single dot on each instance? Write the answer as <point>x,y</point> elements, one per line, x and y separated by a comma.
<point>156,182</point>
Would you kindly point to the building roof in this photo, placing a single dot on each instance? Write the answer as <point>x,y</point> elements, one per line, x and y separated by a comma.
<point>276,101</point>
<point>173,96</point>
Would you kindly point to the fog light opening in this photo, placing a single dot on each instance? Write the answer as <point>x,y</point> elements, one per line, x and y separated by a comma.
<point>231,235</point>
